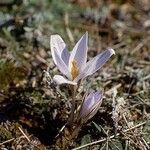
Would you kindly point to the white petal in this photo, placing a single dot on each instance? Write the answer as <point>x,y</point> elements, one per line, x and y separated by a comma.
<point>61,80</point>
<point>65,55</point>
<point>96,63</point>
<point>61,65</point>
<point>79,52</point>
<point>57,44</point>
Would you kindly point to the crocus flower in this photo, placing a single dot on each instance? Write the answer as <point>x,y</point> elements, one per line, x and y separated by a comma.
<point>73,65</point>
<point>90,105</point>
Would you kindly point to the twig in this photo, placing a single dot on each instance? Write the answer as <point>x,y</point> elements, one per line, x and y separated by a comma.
<point>146,144</point>
<point>7,141</point>
<point>102,140</point>
<point>130,139</point>
<point>28,139</point>
<point>129,126</point>
<point>138,47</point>
<point>108,139</point>
<point>103,146</point>
<point>24,134</point>
<point>145,103</point>
<point>60,131</point>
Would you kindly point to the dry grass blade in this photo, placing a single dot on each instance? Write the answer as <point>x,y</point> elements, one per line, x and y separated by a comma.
<point>111,137</point>
<point>24,134</point>
<point>7,141</point>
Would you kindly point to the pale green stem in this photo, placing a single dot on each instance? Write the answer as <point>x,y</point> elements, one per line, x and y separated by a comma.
<point>73,105</point>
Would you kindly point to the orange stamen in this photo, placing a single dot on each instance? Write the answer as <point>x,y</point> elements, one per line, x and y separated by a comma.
<point>74,70</point>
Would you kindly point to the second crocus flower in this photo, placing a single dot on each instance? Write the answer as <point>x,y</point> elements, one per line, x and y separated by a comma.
<point>90,106</point>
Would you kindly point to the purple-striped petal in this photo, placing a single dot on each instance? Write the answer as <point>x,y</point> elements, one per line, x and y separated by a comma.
<point>79,53</point>
<point>61,65</point>
<point>90,105</point>
<point>59,46</point>
<point>96,63</point>
<point>61,80</point>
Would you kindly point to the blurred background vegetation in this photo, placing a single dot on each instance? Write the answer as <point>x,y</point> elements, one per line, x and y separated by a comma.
<point>25,99</point>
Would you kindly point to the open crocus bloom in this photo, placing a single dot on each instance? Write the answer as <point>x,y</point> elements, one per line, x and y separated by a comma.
<point>90,105</point>
<point>73,65</point>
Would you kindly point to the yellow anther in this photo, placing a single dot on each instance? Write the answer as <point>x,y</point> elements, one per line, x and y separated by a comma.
<point>74,70</point>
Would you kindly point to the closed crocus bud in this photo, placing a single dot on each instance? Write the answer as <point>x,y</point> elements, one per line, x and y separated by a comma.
<point>90,106</point>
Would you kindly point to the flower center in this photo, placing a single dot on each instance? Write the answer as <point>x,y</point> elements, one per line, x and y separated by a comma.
<point>74,70</point>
